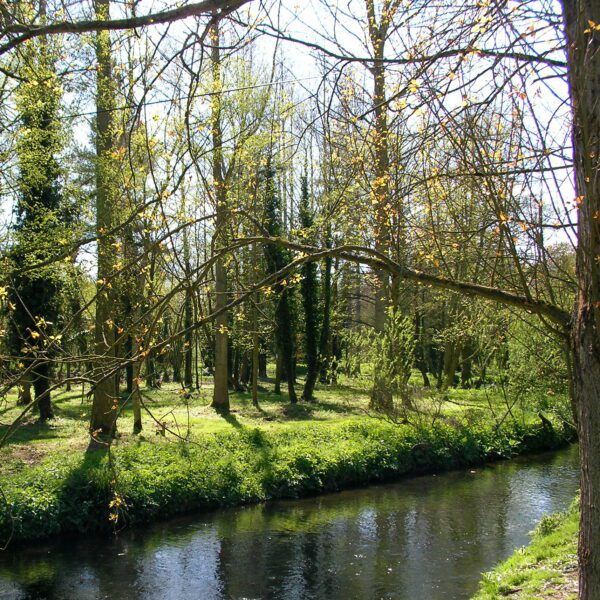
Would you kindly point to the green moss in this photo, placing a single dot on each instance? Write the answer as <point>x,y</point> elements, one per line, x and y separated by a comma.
<point>540,566</point>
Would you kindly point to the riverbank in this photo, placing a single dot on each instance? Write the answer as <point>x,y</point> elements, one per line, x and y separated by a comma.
<point>547,568</point>
<point>149,478</point>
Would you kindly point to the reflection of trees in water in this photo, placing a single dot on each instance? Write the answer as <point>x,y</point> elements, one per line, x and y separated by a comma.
<point>390,541</point>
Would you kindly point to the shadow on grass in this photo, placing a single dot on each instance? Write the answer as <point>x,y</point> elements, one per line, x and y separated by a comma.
<point>350,388</point>
<point>30,431</point>
<point>232,420</point>
<point>302,411</point>
<point>85,493</point>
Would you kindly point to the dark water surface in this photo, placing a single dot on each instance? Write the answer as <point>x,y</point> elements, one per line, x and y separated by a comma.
<point>425,538</point>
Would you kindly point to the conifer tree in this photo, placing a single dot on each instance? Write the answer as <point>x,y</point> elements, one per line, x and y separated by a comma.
<point>277,258</point>
<point>309,300</point>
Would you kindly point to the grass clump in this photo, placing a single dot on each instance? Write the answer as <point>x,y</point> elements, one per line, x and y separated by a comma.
<point>547,568</point>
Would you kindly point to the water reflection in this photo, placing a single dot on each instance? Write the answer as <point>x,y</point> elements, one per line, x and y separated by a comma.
<point>423,538</point>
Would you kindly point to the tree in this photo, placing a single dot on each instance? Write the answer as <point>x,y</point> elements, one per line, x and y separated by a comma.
<point>582,27</point>
<point>221,376</point>
<point>277,259</point>
<point>39,210</point>
<point>310,300</point>
<point>105,401</point>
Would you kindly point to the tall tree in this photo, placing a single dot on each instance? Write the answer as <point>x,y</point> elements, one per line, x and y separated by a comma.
<point>309,300</point>
<point>105,399</point>
<point>221,374</point>
<point>277,258</point>
<point>188,310</point>
<point>35,294</point>
<point>378,28</point>
<point>582,25</point>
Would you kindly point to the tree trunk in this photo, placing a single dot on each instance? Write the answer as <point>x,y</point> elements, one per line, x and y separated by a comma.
<point>221,390</point>
<point>583,41</point>
<point>41,386</point>
<point>129,367</point>
<point>309,384</point>
<point>136,398</point>
<point>587,384</point>
<point>421,348</point>
<point>451,357</point>
<point>255,363</point>
<point>105,401</point>
<point>310,302</point>
<point>152,378</point>
<point>234,366</point>
<point>24,395</point>
<point>466,365</point>
<point>188,345</point>
<point>68,376</point>
<point>381,396</point>
<point>176,362</point>
<point>324,341</point>
<point>262,365</point>
<point>278,372</point>
<point>245,368</point>
<point>286,342</point>
<point>571,378</point>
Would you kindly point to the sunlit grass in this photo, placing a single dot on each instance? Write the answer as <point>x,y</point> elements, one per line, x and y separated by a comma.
<point>547,568</point>
<point>178,414</point>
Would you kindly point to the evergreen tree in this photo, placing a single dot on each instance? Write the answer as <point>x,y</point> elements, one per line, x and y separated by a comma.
<point>39,217</point>
<point>310,299</point>
<point>277,258</point>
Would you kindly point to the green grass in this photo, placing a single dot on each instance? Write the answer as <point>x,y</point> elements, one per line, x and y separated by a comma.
<point>547,568</point>
<point>53,483</point>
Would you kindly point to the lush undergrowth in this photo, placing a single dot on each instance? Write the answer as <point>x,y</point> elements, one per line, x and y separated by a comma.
<point>547,568</point>
<point>149,478</point>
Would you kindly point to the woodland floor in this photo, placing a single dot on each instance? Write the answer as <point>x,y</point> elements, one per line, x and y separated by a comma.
<point>190,415</point>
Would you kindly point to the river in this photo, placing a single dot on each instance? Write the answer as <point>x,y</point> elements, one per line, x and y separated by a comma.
<point>424,538</point>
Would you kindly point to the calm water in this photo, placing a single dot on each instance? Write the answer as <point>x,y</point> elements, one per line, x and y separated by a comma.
<point>424,538</point>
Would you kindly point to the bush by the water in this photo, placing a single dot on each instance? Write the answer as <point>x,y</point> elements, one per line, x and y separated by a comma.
<point>150,480</point>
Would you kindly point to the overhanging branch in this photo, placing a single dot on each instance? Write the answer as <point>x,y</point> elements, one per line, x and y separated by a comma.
<point>195,9</point>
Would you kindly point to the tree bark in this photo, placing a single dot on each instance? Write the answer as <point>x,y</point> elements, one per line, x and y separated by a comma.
<point>309,288</point>
<point>105,401</point>
<point>41,386</point>
<point>278,372</point>
<point>255,361</point>
<point>325,339</point>
<point>188,345</point>
<point>581,19</point>
<point>466,365</point>
<point>451,358</point>
<point>24,394</point>
<point>129,368</point>
<point>136,398</point>
<point>262,365</point>
<point>381,396</point>
<point>221,389</point>
<point>286,341</point>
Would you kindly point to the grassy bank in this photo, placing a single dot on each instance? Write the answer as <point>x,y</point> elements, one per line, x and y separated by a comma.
<point>52,484</point>
<point>547,568</point>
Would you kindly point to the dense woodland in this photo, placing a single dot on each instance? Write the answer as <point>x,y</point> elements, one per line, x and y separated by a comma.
<point>230,199</point>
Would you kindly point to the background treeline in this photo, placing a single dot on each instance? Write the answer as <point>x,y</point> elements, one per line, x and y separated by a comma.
<point>166,214</point>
